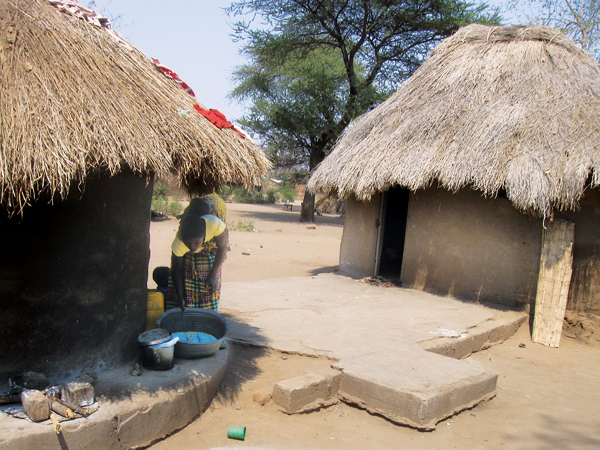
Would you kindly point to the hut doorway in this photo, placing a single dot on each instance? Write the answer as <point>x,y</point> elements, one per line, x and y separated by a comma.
<point>393,233</point>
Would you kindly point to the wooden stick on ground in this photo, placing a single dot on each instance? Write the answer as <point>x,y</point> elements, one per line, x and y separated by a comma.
<point>74,408</point>
<point>61,409</point>
<point>55,423</point>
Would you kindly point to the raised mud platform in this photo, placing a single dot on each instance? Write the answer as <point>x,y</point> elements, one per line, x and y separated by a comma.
<point>134,411</point>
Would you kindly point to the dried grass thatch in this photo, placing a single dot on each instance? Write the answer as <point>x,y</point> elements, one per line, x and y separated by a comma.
<point>75,99</point>
<point>493,108</point>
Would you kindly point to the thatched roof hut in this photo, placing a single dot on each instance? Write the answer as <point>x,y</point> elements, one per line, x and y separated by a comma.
<point>482,164</point>
<point>513,108</point>
<point>76,98</point>
<point>87,122</point>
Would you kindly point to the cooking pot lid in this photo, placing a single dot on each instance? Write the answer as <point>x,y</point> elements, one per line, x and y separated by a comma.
<point>153,337</point>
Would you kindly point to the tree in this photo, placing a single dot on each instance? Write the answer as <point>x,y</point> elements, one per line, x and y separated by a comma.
<point>293,102</point>
<point>578,19</point>
<point>317,64</point>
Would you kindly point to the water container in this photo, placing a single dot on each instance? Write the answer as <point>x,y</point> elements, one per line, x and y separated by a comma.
<point>155,308</point>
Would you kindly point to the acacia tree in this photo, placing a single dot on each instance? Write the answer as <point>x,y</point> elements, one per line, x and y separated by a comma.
<point>294,102</point>
<point>578,19</point>
<point>317,64</point>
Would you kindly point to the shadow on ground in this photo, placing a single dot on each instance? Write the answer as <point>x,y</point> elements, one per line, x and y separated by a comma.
<point>327,269</point>
<point>563,433</point>
<point>241,365</point>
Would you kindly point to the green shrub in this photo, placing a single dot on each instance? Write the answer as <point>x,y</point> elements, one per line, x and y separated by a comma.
<point>164,206</point>
<point>243,195</point>
<point>160,205</point>
<point>225,192</point>
<point>175,208</point>
<point>287,194</point>
<point>271,196</point>
<point>161,190</point>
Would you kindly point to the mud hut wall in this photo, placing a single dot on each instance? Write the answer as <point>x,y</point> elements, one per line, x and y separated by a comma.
<point>74,276</point>
<point>584,291</point>
<point>358,251</point>
<point>469,247</point>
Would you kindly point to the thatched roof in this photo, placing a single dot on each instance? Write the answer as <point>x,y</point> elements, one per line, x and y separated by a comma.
<point>493,108</point>
<point>76,98</point>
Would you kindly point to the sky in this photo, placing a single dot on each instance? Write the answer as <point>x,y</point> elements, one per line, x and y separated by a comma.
<point>192,38</point>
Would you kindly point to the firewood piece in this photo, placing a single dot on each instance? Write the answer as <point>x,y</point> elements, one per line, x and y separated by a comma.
<point>63,410</point>
<point>35,405</point>
<point>55,423</point>
<point>74,408</point>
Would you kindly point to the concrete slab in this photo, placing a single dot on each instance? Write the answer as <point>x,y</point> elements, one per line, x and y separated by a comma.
<point>133,411</point>
<point>374,334</point>
<point>416,388</point>
<point>308,392</point>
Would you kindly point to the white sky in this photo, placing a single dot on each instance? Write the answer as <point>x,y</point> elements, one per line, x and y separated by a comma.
<point>192,38</point>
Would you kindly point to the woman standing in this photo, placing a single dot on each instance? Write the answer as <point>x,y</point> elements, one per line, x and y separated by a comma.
<point>197,255</point>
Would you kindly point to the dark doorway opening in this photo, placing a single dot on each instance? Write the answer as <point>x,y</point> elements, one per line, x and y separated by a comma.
<point>394,232</point>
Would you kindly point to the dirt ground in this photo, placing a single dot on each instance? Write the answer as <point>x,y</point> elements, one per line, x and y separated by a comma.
<point>547,398</point>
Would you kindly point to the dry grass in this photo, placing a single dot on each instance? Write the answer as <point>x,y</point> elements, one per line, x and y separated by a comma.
<point>511,108</point>
<point>75,99</point>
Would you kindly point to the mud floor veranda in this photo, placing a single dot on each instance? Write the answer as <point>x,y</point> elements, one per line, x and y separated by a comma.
<point>546,398</point>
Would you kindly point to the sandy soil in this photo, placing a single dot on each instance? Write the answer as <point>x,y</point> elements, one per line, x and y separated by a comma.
<point>547,398</point>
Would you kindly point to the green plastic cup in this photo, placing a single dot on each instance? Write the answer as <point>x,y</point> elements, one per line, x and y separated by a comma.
<point>236,433</point>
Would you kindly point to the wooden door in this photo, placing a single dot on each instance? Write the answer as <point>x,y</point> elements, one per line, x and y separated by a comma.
<point>556,265</point>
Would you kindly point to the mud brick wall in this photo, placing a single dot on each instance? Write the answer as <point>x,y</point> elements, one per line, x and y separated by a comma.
<point>73,278</point>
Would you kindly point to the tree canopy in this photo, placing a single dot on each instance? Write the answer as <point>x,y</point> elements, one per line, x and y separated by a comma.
<point>294,102</point>
<point>317,64</point>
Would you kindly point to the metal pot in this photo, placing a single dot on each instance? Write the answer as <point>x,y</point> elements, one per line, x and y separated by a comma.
<point>159,356</point>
